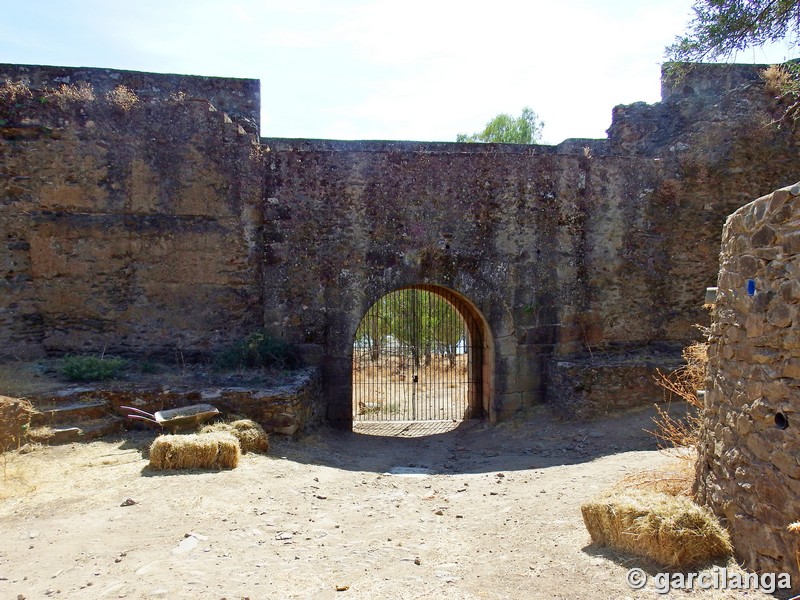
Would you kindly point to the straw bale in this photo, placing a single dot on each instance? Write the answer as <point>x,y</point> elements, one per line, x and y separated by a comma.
<point>670,530</point>
<point>251,436</point>
<point>15,418</point>
<point>194,451</point>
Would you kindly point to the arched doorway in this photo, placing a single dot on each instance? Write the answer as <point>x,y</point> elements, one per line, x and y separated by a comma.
<point>420,354</point>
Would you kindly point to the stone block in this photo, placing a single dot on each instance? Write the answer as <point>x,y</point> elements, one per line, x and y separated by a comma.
<point>754,325</point>
<point>749,265</point>
<point>791,243</point>
<point>789,291</point>
<point>763,237</point>
<point>779,315</point>
<point>791,368</point>
<point>786,462</point>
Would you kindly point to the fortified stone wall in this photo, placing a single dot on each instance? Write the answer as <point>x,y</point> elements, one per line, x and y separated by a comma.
<point>749,470</point>
<point>238,98</point>
<point>532,238</point>
<point>588,259</point>
<point>167,227</point>
<point>130,229</point>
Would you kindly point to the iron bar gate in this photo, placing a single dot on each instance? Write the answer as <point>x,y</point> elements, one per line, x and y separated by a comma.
<point>416,358</point>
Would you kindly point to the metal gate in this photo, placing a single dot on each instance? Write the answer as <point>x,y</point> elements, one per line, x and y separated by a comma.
<point>416,358</point>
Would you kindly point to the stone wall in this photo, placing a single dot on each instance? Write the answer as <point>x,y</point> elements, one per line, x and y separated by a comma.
<point>168,227</point>
<point>580,252</point>
<point>238,98</point>
<point>749,468</point>
<point>130,229</point>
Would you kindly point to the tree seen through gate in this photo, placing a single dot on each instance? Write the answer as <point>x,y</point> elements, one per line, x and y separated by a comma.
<point>413,360</point>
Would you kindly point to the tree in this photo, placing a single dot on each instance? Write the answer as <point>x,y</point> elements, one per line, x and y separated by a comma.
<point>525,129</point>
<point>721,28</point>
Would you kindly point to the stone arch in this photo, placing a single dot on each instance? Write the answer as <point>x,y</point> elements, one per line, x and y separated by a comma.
<point>480,335</point>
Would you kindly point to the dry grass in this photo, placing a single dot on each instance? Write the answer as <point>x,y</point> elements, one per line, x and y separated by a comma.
<point>74,92</point>
<point>15,419</point>
<point>783,82</point>
<point>11,90</point>
<point>673,481</point>
<point>795,528</point>
<point>251,436</point>
<point>683,384</point>
<point>195,451</point>
<point>776,79</point>
<point>671,530</point>
<point>18,478</point>
<point>123,98</point>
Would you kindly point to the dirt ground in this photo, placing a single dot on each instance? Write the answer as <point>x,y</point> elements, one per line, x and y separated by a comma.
<point>475,512</point>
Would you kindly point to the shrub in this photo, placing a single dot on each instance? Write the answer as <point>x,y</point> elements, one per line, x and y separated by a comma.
<point>91,368</point>
<point>123,98</point>
<point>66,93</point>
<point>15,89</point>
<point>783,82</point>
<point>258,350</point>
<point>683,383</point>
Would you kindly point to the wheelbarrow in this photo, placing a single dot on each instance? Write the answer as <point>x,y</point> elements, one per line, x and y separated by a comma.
<point>174,419</point>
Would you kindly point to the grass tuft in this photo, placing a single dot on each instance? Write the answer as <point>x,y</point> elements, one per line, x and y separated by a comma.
<point>92,368</point>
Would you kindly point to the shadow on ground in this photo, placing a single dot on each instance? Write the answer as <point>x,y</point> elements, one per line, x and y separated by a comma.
<point>538,439</point>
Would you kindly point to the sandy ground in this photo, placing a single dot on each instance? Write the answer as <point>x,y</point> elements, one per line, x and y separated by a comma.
<point>476,512</point>
<point>385,390</point>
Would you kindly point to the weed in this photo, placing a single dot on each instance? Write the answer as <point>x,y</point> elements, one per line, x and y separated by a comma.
<point>11,90</point>
<point>92,368</point>
<point>67,93</point>
<point>178,97</point>
<point>783,82</point>
<point>684,384</point>
<point>123,98</point>
<point>258,349</point>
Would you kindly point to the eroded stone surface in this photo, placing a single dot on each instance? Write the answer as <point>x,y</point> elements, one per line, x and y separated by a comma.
<point>749,471</point>
<point>170,228</point>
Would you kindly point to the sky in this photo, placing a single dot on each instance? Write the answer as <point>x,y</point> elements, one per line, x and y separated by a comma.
<point>422,70</point>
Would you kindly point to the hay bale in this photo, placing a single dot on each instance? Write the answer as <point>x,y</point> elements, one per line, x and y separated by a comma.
<point>795,528</point>
<point>15,420</point>
<point>251,436</point>
<point>194,451</point>
<point>671,530</point>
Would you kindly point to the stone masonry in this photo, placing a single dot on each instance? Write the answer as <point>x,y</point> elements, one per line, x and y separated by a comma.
<point>749,468</point>
<point>169,227</point>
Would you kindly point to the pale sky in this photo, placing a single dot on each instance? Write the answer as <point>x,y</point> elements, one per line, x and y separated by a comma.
<point>379,69</point>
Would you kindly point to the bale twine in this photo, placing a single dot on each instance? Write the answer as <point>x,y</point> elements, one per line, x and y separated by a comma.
<point>670,530</point>
<point>195,451</point>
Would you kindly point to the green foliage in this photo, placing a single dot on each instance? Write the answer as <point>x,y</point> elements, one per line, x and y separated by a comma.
<point>257,350</point>
<point>147,367</point>
<point>720,28</point>
<point>525,129</point>
<point>421,322</point>
<point>92,368</point>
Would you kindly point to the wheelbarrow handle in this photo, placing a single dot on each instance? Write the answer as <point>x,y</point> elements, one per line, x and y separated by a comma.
<point>141,418</point>
<point>138,412</point>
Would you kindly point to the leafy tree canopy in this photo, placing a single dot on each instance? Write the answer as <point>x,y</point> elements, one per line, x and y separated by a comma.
<point>525,129</point>
<point>720,28</point>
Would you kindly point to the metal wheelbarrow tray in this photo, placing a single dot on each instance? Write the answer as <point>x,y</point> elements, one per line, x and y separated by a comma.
<point>175,418</point>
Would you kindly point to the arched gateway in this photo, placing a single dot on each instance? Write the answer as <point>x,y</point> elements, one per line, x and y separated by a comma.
<point>421,353</point>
